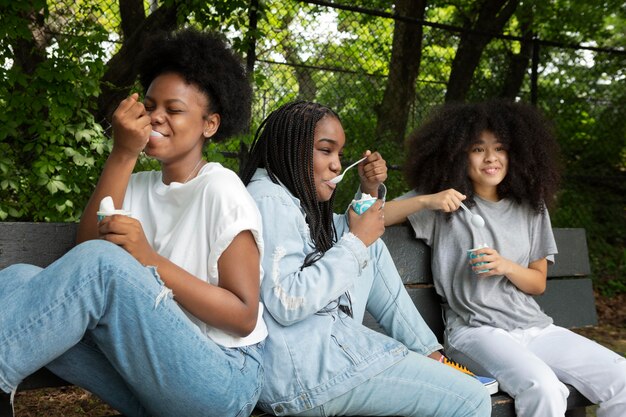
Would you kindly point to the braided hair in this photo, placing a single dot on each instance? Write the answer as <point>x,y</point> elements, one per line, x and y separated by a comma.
<point>437,151</point>
<point>283,145</point>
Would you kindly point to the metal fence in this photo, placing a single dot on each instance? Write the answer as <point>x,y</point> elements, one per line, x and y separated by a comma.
<point>339,54</point>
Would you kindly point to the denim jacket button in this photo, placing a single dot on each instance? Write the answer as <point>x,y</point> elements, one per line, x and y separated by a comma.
<point>279,409</point>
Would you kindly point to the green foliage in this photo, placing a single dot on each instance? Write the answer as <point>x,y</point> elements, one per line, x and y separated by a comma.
<point>50,144</point>
<point>53,56</point>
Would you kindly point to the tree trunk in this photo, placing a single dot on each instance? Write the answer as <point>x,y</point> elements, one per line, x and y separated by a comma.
<point>121,72</point>
<point>492,16</point>
<point>404,66</point>
<point>518,63</point>
<point>31,52</point>
<point>307,90</point>
<point>132,15</point>
<point>251,35</point>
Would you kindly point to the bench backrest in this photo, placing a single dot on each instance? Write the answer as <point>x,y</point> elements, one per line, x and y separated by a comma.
<point>568,298</point>
<point>35,243</point>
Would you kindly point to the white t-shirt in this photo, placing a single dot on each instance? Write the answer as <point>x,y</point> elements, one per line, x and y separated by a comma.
<point>192,224</point>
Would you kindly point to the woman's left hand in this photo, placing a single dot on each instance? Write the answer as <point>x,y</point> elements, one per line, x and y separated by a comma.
<point>372,172</point>
<point>127,232</point>
<point>496,264</point>
<point>530,279</point>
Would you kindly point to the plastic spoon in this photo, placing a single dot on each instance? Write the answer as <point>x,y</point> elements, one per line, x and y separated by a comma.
<point>340,176</point>
<point>477,220</point>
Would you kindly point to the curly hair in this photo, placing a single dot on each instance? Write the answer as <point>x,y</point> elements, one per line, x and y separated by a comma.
<point>283,145</point>
<point>204,60</point>
<point>437,151</point>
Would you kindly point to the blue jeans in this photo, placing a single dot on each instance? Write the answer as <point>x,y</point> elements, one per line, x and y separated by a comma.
<point>416,385</point>
<point>97,318</point>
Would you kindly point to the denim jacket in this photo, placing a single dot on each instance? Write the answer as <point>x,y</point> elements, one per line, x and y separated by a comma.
<point>314,351</point>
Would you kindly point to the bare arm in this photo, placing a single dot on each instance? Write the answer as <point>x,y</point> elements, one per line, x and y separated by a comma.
<point>232,306</point>
<point>131,129</point>
<point>397,211</point>
<point>531,279</point>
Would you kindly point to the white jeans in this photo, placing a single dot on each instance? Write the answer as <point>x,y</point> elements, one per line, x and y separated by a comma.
<point>532,366</point>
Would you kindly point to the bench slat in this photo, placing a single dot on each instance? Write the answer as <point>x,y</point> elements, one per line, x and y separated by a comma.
<point>411,256</point>
<point>427,302</point>
<point>570,302</point>
<point>34,243</point>
<point>573,257</point>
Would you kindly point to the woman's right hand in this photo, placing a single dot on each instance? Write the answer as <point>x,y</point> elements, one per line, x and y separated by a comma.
<point>131,126</point>
<point>369,226</point>
<point>447,201</point>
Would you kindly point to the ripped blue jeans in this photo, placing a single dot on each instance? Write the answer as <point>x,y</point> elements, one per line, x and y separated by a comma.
<point>98,319</point>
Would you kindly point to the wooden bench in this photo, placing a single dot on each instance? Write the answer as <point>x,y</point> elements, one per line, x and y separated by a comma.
<point>568,298</point>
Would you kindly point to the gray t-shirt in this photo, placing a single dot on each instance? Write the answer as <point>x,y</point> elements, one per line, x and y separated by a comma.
<point>516,231</point>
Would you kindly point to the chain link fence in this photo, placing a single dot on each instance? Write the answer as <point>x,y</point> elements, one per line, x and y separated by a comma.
<point>339,55</point>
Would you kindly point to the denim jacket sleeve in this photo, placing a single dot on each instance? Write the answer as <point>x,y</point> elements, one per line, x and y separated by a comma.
<point>292,293</point>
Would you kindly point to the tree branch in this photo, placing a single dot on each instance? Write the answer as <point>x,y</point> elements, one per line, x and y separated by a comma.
<point>121,72</point>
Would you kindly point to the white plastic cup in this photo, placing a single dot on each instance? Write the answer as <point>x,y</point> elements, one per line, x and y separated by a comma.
<point>102,214</point>
<point>108,209</point>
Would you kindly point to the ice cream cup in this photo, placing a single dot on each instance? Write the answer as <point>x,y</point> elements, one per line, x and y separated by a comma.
<point>471,253</point>
<point>361,205</point>
<point>365,202</point>
<point>102,214</point>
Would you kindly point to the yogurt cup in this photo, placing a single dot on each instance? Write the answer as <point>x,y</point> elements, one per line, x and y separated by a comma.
<point>365,202</point>
<point>102,214</point>
<point>108,209</point>
<point>361,205</point>
<point>471,253</point>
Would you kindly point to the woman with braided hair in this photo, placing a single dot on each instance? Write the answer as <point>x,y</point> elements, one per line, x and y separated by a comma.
<point>322,272</point>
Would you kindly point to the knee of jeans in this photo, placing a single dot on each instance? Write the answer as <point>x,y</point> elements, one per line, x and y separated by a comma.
<point>484,402</point>
<point>95,247</point>
<point>23,269</point>
<point>102,252</point>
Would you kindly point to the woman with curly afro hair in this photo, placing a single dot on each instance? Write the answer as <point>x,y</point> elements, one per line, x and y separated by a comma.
<point>157,312</point>
<point>500,159</point>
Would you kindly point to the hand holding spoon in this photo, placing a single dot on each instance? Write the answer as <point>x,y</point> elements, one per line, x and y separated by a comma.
<point>476,219</point>
<point>340,176</point>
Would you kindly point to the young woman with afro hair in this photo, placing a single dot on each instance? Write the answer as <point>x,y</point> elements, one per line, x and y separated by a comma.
<point>156,312</point>
<point>500,159</point>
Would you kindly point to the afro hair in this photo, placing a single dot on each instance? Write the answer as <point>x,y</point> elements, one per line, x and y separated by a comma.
<point>205,60</point>
<point>437,150</point>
